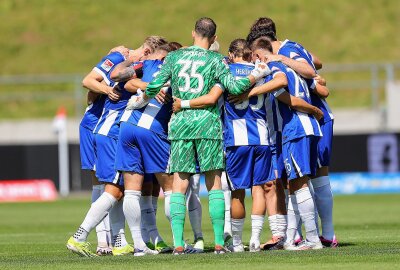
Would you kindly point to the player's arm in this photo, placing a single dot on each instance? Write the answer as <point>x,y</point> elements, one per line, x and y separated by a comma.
<point>277,82</point>
<point>125,71</point>
<point>298,104</point>
<point>321,90</point>
<point>93,82</point>
<point>134,84</point>
<point>163,76</point>
<point>317,62</point>
<point>238,86</point>
<point>207,100</point>
<point>301,66</point>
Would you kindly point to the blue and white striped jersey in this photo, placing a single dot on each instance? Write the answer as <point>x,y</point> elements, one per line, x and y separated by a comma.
<point>297,52</point>
<point>154,116</point>
<point>295,124</point>
<point>104,68</point>
<point>245,123</point>
<point>108,124</point>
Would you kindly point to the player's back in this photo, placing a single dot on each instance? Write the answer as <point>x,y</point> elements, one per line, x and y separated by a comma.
<point>296,124</point>
<point>245,123</point>
<point>193,74</point>
<point>154,116</point>
<point>296,51</point>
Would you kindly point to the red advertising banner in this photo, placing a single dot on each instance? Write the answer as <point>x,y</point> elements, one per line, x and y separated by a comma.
<point>27,190</point>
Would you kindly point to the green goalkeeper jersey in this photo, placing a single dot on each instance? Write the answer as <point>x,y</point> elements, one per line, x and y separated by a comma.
<point>193,72</point>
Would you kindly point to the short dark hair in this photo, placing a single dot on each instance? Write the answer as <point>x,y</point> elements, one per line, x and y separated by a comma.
<point>239,48</point>
<point>205,27</point>
<point>262,27</point>
<point>261,43</point>
<point>264,23</point>
<point>175,45</point>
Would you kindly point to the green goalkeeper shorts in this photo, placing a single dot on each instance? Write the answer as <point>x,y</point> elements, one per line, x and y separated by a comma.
<point>209,154</point>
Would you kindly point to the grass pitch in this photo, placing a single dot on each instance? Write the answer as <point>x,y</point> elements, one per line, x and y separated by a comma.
<point>33,236</point>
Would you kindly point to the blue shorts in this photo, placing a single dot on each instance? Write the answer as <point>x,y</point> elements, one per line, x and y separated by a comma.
<point>105,151</point>
<point>325,144</point>
<point>248,166</point>
<point>277,158</point>
<point>300,156</point>
<point>87,149</point>
<point>141,150</point>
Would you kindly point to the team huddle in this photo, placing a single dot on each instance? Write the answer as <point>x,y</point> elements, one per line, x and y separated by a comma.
<point>163,114</point>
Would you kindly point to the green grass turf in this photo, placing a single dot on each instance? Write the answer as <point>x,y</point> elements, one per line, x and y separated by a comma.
<point>53,37</point>
<point>33,236</point>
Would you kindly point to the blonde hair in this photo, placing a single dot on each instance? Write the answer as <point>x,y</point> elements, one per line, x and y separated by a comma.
<point>153,42</point>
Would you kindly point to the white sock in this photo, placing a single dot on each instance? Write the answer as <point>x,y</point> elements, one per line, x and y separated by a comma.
<point>117,223</point>
<point>101,228</point>
<point>133,216</point>
<point>278,224</point>
<point>311,187</point>
<point>306,208</point>
<point>281,225</point>
<point>148,219</point>
<point>292,219</point>
<point>227,197</point>
<point>324,203</point>
<point>96,213</point>
<point>167,209</point>
<point>154,201</point>
<point>237,230</point>
<point>194,206</point>
<point>286,197</point>
<point>143,228</point>
<point>257,222</point>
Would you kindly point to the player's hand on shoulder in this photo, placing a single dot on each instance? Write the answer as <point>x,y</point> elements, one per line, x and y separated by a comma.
<point>114,94</point>
<point>321,80</point>
<point>137,102</point>
<point>274,58</point>
<point>121,49</point>
<point>236,99</point>
<point>176,106</point>
<point>163,96</point>
<point>318,114</point>
<point>260,70</point>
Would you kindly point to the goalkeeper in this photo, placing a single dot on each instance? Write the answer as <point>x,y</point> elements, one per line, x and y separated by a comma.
<point>196,134</point>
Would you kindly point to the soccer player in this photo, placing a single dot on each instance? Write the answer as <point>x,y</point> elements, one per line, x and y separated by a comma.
<point>197,133</point>
<point>98,90</point>
<point>300,135</point>
<point>106,136</point>
<point>304,63</point>
<point>143,148</point>
<point>247,140</point>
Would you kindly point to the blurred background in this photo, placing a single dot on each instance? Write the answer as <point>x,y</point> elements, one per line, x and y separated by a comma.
<point>48,46</point>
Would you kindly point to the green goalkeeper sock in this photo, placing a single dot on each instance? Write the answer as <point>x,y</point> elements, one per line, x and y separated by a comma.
<point>178,213</point>
<point>216,207</point>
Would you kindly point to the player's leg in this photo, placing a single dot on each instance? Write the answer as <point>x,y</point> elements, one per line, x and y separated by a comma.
<point>129,161</point>
<point>277,215</point>
<point>301,204</point>
<point>182,164</point>
<point>239,172</point>
<point>323,192</point>
<point>155,194</point>
<point>105,147</point>
<point>88,159</point>
<point>261,175</point>
<point>211,161</point>
<point>146,206</point>
<point>238,215</point>
<point>227,196</point>
<point>195,211</point>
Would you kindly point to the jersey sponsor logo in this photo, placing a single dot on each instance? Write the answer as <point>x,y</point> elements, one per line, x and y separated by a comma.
<point>107,65</point>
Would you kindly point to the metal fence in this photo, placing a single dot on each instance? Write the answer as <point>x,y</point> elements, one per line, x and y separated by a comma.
<point>40,95</point>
